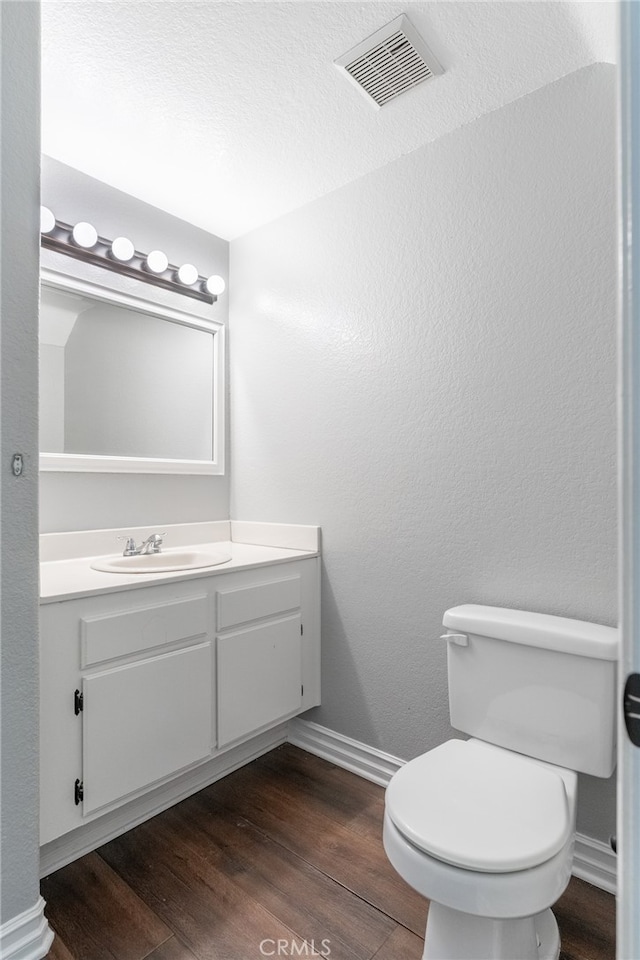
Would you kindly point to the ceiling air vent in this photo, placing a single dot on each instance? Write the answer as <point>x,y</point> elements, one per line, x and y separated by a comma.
<point>389,62</point>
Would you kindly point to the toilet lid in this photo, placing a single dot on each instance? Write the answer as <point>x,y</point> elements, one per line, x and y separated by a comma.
<point>480,807</point>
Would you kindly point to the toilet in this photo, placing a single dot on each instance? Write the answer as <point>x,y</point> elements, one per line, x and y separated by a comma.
<point>485,827</point>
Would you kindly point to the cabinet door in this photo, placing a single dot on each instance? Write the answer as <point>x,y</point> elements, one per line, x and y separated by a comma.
<point>144,721</point>
<point>259,677</point>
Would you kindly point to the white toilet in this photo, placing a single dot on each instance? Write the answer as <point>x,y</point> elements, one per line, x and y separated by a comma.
<point>485,827</point>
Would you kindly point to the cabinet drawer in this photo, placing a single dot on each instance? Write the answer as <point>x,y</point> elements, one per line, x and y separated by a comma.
<point>144,721</point>
<point>118,634</point>
<point>258,601</point>
<point>259,677</point>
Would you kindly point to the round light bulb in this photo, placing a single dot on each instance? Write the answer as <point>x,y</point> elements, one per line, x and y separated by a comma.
<point>84,235</point>
<point>157,261</point>
<point>122,249</point>
<point>215,285</point>
<point>187,274</point>
<point>47,220</point>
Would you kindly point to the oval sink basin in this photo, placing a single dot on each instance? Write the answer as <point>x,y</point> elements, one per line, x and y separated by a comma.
<point>163,562</point>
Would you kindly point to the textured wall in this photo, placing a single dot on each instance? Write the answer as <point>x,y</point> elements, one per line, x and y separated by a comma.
<point>51,407</point>
<point>85,501</point>
<point>20,145</point>
<point>423,362</point>
<point>241,103</point>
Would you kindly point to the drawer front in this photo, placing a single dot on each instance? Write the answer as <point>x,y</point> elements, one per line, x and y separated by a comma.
<point>258,601</point>
<point>259,677</point>
<point>120,634</point>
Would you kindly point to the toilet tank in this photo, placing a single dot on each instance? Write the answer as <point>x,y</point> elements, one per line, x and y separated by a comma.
<point>543,686</point>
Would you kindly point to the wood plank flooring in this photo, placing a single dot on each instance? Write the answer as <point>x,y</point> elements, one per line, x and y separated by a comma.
<point>286,849</point>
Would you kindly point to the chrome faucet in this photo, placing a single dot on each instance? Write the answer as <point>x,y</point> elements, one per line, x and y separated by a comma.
<point>151,545</point>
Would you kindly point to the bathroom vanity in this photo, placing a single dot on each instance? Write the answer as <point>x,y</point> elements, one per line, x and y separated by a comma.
<point>155,685</point>
<point>159,674</point>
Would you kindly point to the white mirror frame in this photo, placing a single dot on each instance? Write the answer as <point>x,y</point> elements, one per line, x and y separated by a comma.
<point>71,462</point>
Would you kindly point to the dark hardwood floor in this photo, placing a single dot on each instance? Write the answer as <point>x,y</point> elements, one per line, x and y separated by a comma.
<point>286,849</point>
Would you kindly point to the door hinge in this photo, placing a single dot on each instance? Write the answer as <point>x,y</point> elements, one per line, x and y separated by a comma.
<point>301,630</point>
<point>78,702</point>
<point>78,791</point>
<point>631,708</point>
<point>302,689</point>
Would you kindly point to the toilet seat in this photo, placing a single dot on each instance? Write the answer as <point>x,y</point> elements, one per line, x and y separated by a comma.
<point>480,807</point>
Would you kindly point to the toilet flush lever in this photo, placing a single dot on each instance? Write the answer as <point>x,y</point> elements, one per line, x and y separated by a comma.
<point>460,639</point>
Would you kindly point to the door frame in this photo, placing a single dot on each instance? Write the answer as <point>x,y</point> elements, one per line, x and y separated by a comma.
<point>628,826</point>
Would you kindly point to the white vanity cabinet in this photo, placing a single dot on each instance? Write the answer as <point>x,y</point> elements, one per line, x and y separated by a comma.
<point>259,651</point>
<point>140,687</point>
<point>146,719</point>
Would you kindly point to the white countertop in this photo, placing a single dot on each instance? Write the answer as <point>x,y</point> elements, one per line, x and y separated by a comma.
<point>70,578</point>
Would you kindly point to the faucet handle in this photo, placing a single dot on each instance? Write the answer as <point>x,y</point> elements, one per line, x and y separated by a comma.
<point>129,547</point>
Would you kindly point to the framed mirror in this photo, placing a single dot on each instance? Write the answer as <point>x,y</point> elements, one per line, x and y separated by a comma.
<point>127,386</point>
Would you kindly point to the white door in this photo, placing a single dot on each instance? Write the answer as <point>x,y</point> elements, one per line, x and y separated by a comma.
<point>145,721</point>
<point>628,939</point>
<point>259,677</point>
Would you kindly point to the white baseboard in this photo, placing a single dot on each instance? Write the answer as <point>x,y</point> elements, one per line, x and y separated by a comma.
<point>349,754</point>
<point>91,835</point>
<point>593,860</point>
<point>27,936</point>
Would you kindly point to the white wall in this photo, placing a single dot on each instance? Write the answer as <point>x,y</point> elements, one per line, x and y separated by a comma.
<point>19,247</point>
<point>51,407</point>
<point>86,501</point>
<point>423,362</point>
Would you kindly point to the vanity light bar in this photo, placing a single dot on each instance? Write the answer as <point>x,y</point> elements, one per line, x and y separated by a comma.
<point>82,242</point>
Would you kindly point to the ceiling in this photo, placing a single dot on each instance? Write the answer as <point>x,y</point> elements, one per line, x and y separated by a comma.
<point>229,114</point>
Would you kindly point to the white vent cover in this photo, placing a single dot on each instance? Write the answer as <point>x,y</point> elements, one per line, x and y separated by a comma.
<point>389,62</point>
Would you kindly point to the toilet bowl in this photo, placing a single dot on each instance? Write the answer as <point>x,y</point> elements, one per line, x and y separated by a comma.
<point>467,801</point>
<point>485,828</point>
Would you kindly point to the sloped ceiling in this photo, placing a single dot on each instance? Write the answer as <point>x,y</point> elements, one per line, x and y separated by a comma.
<point>229,114</point>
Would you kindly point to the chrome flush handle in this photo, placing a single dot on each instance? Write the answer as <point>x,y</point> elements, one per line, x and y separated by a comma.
<point>460,639</point>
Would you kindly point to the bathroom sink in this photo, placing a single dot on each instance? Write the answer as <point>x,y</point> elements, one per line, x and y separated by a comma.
<point>163,562</point>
